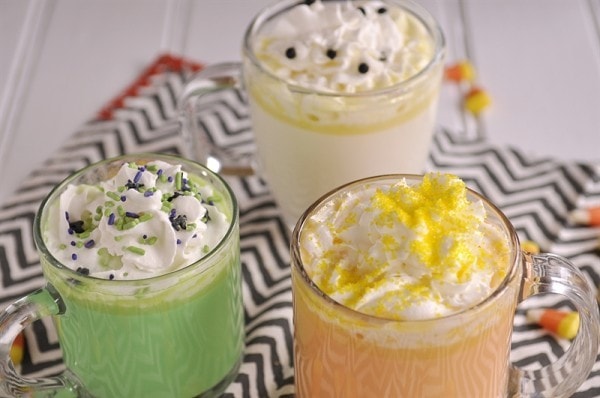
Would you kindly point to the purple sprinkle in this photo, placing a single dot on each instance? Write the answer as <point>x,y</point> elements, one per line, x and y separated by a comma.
<point>89,244</point>
<point>159,172</point>
<point>172,213</point>
<point>111,219</point>
<point>70,231</point>
<point>170,178</point>
<point>73,243</point>
<point>131,214</point>
<point>148,193</point>
<point>67,215</point>
<point>123,198</point>
<point>74,256</point>
<point>111,277</point>
<point>144,236</point>
<point>142,168</point>
<point>178,241</point>
<point>137,177</point>
<point>195,236</point>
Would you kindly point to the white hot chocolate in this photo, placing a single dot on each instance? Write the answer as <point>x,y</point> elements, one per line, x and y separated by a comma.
<point>341,90</point>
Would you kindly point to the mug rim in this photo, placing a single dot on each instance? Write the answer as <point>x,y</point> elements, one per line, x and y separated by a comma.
<point>418,11</point>
<point>298,265</point>
<point>55,192</point>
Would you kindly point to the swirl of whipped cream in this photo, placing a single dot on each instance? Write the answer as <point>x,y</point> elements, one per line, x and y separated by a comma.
<point>145,221</point>
<point>405,251</point>
<point>345,46</point>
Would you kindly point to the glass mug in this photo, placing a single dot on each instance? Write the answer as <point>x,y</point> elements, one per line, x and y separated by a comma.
<point>311,140</point>
<point>179,334</point>
<point>340,352</point>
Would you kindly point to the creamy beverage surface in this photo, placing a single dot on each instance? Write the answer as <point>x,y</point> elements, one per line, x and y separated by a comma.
<point>345,47</point>
<point>405,251</point>
<point>144,221</point>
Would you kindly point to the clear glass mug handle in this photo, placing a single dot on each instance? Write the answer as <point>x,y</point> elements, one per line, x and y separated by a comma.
<point>549,273</point>
<point>212,78</point>
<point>41,303</point>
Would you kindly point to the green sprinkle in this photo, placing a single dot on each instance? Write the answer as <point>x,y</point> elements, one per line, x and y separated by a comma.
<point>121,189</point>
<point>162,178</point>
<point>178,180</point>
<point>110,204</point>
<point>119,238</point>
<point>205,249</point>
<point>62,246</point>
<point>136,250</point>
<point>152,167</point>
<point>145,217</point>
<point>148,241</point>
<point>79,244</point>
<point>84,234</point>
<point>113,196</point>
<point>98,217</point>
<point>131,224</point>
<point>121,211</point>
<point>99,210</point>
<point>152,240</point>
<point>119,223</point>
<point>191,226</point>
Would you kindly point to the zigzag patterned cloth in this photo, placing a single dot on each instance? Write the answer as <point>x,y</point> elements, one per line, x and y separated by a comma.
<point>535,193</point>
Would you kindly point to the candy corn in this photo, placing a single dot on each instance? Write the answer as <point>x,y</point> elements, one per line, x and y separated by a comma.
<point>589,216</point>
<point>460,72</point>
<point>476,100</point>
<point>17,349</point>
<point>562,323</point>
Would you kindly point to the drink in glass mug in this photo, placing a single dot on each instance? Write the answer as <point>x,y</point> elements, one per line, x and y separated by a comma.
<point>338,90</point>
<point>141,256</point>
<point>407,286</point>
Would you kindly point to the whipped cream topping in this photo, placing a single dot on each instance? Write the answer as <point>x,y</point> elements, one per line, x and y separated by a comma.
<point>345,46</point>
<point>145,221</point>
<point>408,251</point>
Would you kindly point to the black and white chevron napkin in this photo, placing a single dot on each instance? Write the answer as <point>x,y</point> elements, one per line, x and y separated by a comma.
<point>536,193</point>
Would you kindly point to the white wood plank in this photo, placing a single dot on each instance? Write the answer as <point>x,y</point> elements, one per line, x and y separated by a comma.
<point>90,52</point>
<point>540,61</point>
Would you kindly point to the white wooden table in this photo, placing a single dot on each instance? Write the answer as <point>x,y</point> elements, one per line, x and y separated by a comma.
<point>62,60</point>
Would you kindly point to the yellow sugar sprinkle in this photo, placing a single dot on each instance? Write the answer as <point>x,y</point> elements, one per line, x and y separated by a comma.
<point>440,214</point>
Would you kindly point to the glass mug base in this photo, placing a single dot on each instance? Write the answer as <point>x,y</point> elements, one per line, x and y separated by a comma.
<point>220,387</point>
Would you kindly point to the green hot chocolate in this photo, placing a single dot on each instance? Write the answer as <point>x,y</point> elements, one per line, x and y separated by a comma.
<point>143,255</point>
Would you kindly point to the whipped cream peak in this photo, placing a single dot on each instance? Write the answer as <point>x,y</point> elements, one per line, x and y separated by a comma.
<point>405,250</point>
<point>144,221</point>
<point>345,47</point>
